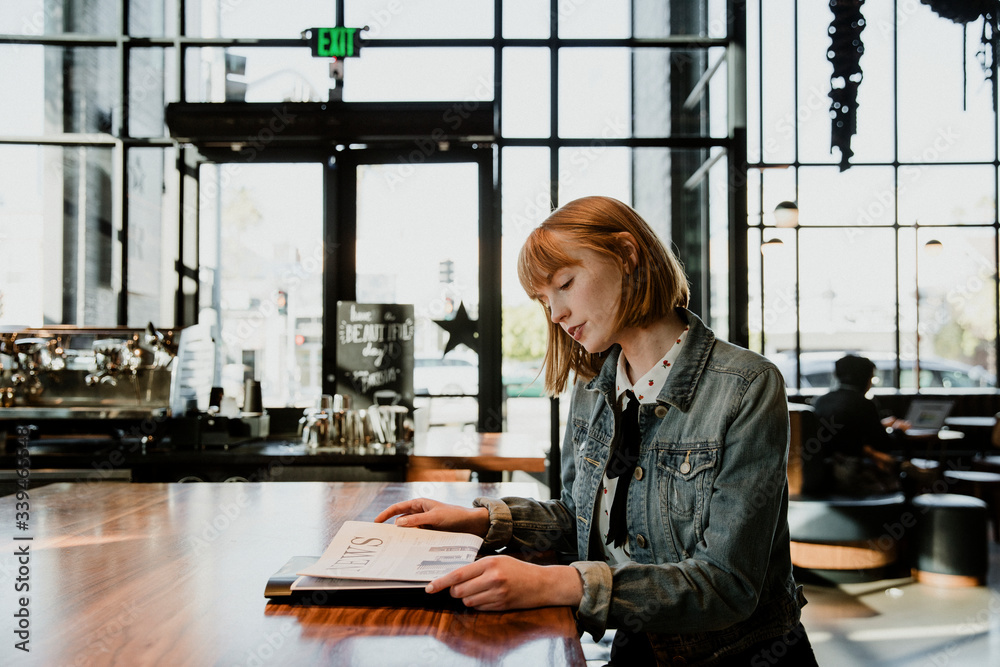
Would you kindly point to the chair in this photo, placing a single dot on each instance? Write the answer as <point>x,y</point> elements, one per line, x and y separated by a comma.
<point>843,539</point>
<point>837,538</point>
<point>986,461</point>
<point>807,472</point>
<point>919,476</point>
<point>982,485</point>
<point>951,547</point>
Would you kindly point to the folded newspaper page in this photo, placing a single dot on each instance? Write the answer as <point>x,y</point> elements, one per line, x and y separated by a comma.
<point>382,552</point>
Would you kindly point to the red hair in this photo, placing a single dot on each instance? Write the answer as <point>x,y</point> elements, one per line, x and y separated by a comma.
<point>656,285</point>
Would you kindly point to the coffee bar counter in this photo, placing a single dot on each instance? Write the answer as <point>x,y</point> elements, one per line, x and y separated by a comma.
<point>125,404</point>
<point>73,457</point>
<point>52,460</point>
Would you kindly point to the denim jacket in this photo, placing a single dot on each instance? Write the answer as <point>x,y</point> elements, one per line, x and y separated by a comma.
<point>707,507</point>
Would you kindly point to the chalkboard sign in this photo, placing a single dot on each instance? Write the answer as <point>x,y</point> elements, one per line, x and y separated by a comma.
<point>375,353</point>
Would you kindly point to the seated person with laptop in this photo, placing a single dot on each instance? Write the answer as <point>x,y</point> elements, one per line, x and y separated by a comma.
<point>856,452</point>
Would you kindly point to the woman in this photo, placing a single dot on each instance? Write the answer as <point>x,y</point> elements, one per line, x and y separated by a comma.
<point>674,490</point>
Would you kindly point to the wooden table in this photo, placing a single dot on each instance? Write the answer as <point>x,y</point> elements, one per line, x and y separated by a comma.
<point>978,430</point>
<point>981,422</point>
<point>174,574</point>
<point>444,453</point>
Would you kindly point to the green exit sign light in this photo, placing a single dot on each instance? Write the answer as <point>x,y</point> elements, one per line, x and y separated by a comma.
<point>335,42</point>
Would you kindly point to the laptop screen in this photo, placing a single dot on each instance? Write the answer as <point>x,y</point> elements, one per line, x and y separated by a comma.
<point>928,414</point>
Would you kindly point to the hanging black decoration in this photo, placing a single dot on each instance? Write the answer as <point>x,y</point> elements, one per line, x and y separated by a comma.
<point>846,49</point>
<point>961,11</point>
<point>966,11</point>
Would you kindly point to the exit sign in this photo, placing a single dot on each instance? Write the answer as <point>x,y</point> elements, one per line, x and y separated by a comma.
<point>335,42</point>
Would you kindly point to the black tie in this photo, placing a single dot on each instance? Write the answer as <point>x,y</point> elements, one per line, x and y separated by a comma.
<point>624,456</point>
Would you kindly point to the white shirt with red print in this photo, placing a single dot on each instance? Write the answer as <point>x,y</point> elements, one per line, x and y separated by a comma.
<point>646,390</point>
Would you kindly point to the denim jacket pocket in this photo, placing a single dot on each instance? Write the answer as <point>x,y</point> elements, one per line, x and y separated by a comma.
<point>685,478</point>
<point>584,448</point>
<point>579,427</point>
<point>590,455</point>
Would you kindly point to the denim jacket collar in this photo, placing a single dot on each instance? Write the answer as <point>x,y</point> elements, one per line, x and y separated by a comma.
<point>683,381</point>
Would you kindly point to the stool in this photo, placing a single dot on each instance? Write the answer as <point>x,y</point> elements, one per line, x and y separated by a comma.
<point>844,540</point>
<point>951,540</point>
<point>986,463</point>
<point>920,476</point>
<point>982,485</point>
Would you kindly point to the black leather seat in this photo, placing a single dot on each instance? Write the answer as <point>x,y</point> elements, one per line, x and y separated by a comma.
<point>980,484</point>
<point>951,548</point>
<point>838,519</point>
<point>807,470</point>
<point>844,539</point>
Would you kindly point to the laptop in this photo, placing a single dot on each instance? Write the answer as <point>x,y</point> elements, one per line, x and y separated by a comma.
<point>927,416</point>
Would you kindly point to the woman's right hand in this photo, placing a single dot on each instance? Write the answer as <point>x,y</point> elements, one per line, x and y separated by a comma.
<point>427,513</point>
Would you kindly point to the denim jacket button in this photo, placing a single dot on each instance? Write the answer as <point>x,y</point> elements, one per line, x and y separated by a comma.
<point>685,468</point>
<point>660,411</point>
<point>637,473</point>
<point>640,541</point>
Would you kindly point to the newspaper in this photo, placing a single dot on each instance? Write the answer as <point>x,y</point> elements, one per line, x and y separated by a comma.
<point>381,555</point>
<point>329,584</point>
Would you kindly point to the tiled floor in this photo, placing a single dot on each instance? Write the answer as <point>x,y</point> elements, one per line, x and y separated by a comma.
<point>889,623</point>
<point>897,623</point>
<point>893,623</point>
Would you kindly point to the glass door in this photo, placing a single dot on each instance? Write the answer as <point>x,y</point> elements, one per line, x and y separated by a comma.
<point>261,259</point>
<point>424,234</point>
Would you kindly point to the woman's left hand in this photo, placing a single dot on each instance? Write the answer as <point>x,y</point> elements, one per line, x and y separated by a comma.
<point>498,583</point>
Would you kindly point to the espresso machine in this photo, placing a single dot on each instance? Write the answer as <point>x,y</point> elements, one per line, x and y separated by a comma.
<point>89,382</point>
<point>81,372</point>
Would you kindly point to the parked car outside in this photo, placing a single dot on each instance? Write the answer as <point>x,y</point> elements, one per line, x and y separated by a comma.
<point>817,370</point>
<point>523,379</point>
<point>433,376</point>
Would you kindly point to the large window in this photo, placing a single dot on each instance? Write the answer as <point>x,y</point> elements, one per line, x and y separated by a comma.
<point>114,223</point>
<point>894,257</point>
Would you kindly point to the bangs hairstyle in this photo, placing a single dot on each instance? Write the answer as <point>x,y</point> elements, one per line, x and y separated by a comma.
<point>649,291</point>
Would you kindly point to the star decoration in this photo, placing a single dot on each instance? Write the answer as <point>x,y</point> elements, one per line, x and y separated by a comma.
<point>461,330</point>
